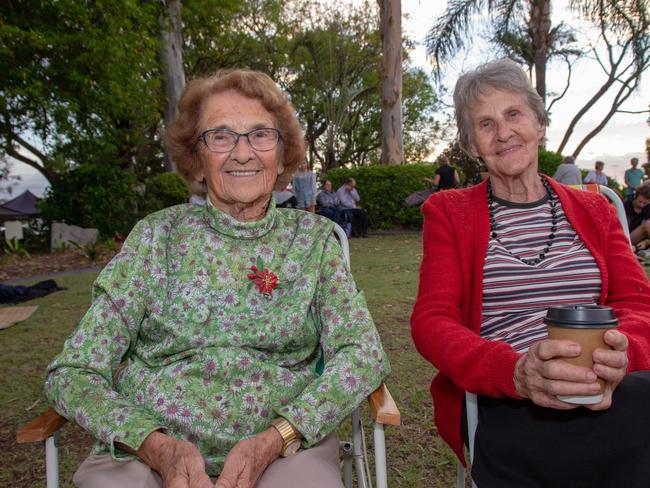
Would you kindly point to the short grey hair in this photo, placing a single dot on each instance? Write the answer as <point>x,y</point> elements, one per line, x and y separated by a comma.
<point>502,74</point>
<point>568,160</point>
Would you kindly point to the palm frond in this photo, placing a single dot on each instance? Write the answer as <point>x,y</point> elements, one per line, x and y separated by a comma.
<point>449,34</point>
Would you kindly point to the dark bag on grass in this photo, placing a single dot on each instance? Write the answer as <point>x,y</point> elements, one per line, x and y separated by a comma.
<point>15,294</point>
<point>417,198</point>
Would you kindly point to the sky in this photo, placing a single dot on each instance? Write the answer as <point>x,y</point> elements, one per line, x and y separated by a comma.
<point>622,139</point>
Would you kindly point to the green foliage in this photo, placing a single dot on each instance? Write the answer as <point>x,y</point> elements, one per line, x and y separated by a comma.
<point>548,161</point>
<point>383,190</point>
<point>163,190</point>
<point>82,79</point>
<point>99,196</point>
<point>15,246</point>
<point>91,251</point>
<point>328,58</point>
<point>110,244</point>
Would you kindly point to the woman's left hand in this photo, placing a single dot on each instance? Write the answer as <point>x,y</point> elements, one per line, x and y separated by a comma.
<point>610,365</point>
<point>246,462</point>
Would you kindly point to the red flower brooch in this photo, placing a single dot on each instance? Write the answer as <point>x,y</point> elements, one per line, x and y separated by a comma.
<point>265,280</point>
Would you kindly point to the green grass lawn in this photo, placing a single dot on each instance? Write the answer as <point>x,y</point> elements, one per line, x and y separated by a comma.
<point>385,268</point>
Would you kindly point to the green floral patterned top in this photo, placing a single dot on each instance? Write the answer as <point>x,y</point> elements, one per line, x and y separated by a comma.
<point>219,326</point>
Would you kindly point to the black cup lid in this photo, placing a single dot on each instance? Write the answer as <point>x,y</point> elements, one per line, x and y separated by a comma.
<point>581,316</point>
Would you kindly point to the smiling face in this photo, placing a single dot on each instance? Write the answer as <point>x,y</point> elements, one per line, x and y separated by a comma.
<point>505,133</point>
<point>239,182</point>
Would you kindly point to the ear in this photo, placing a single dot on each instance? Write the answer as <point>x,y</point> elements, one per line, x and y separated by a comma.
<point>474,151</point>
<point>541,132</point>
<point>280,168</point>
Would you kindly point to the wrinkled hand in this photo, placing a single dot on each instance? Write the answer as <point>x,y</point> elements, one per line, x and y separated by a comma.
<point>540,374</point>
<point>178,462</point>
<point>610,365</point>
<point>246,462</point>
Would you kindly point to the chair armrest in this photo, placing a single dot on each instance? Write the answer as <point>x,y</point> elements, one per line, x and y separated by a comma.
<point>42,427</point>
<point>383,408</point>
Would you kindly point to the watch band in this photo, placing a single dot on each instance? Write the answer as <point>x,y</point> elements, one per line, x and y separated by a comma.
<point>290,436</point>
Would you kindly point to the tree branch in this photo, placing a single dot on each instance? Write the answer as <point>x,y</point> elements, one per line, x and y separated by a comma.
<point>623,94</point>
<point>566,88</point>
<point>611,79</point>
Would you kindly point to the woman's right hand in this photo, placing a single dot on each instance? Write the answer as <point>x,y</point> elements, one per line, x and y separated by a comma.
<point>178,462</point>
<point>540,374</point>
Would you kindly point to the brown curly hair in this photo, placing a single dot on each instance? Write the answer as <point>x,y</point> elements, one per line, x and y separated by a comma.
<point>182,137</point>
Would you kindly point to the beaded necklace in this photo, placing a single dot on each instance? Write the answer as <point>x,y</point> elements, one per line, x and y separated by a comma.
<point>553,203</point>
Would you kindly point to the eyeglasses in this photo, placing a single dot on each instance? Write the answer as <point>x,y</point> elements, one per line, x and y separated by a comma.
<point>224,140</point>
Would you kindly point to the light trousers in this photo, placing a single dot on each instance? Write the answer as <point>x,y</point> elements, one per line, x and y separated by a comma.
<point>317,467</point>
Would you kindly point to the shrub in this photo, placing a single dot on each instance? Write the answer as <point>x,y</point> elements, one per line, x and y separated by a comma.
<point>99,196</point>
<point>548,161</point>
<point>163,190</point>
<point>383,188</point>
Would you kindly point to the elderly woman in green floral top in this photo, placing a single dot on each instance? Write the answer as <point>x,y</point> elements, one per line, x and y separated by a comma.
<point>224,337</point>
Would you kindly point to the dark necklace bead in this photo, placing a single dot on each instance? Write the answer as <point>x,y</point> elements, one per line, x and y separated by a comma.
<point>552,203</point>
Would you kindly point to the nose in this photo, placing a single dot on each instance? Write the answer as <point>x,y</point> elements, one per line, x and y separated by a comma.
<point>503,131</point>
<point>242,152</point>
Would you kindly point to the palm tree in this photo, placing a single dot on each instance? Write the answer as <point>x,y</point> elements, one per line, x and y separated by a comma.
<point>449,33</point>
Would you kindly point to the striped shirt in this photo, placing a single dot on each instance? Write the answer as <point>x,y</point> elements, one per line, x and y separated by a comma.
<point>517,295</point>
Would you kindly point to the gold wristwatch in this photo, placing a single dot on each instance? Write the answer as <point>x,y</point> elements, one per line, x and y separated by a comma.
<point>290,436</point>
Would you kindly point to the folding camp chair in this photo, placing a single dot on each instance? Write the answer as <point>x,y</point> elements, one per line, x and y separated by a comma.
<point>383,411</point>
<point>471,401</point>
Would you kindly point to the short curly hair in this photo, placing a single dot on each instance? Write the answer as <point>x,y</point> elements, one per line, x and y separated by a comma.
<point>182,137</point>
<point>502,74</point>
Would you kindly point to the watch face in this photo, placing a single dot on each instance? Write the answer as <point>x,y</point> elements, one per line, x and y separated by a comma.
<point>291,448</point>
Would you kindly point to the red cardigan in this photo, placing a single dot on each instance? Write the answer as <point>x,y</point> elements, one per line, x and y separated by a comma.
<point>447,314</point>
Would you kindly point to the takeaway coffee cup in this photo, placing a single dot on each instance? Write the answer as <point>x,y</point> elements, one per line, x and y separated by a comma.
<point>586,325</point>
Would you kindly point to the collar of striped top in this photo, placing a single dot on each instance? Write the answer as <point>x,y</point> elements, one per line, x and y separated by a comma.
<point>553,203</point>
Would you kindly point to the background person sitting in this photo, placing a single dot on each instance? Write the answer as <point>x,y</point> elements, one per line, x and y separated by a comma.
<point>496,256</point>
<point>596,175</point>
<point>567,172</point>
<point>240,331</point>
<point>349,198</point>
<point>329,206</point>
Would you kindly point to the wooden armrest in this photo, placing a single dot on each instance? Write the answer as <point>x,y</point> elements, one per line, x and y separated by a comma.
<point>383,408</point>
<point>41,427</point>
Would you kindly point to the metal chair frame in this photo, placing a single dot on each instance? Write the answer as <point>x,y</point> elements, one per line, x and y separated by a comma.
<point>383,410</point>
<point>471,401</point>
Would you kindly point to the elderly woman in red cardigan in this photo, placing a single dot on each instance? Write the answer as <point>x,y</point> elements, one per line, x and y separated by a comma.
<point>496,256</point>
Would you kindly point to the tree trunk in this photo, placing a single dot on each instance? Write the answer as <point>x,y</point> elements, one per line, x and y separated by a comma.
<point>392,150</point>
<point>540,27</point>
<point>171,58</point>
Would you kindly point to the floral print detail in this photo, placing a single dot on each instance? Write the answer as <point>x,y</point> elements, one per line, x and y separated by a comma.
<point>208,359</point>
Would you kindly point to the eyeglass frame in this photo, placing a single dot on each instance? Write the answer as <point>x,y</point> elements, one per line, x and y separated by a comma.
<point>238,136</point>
